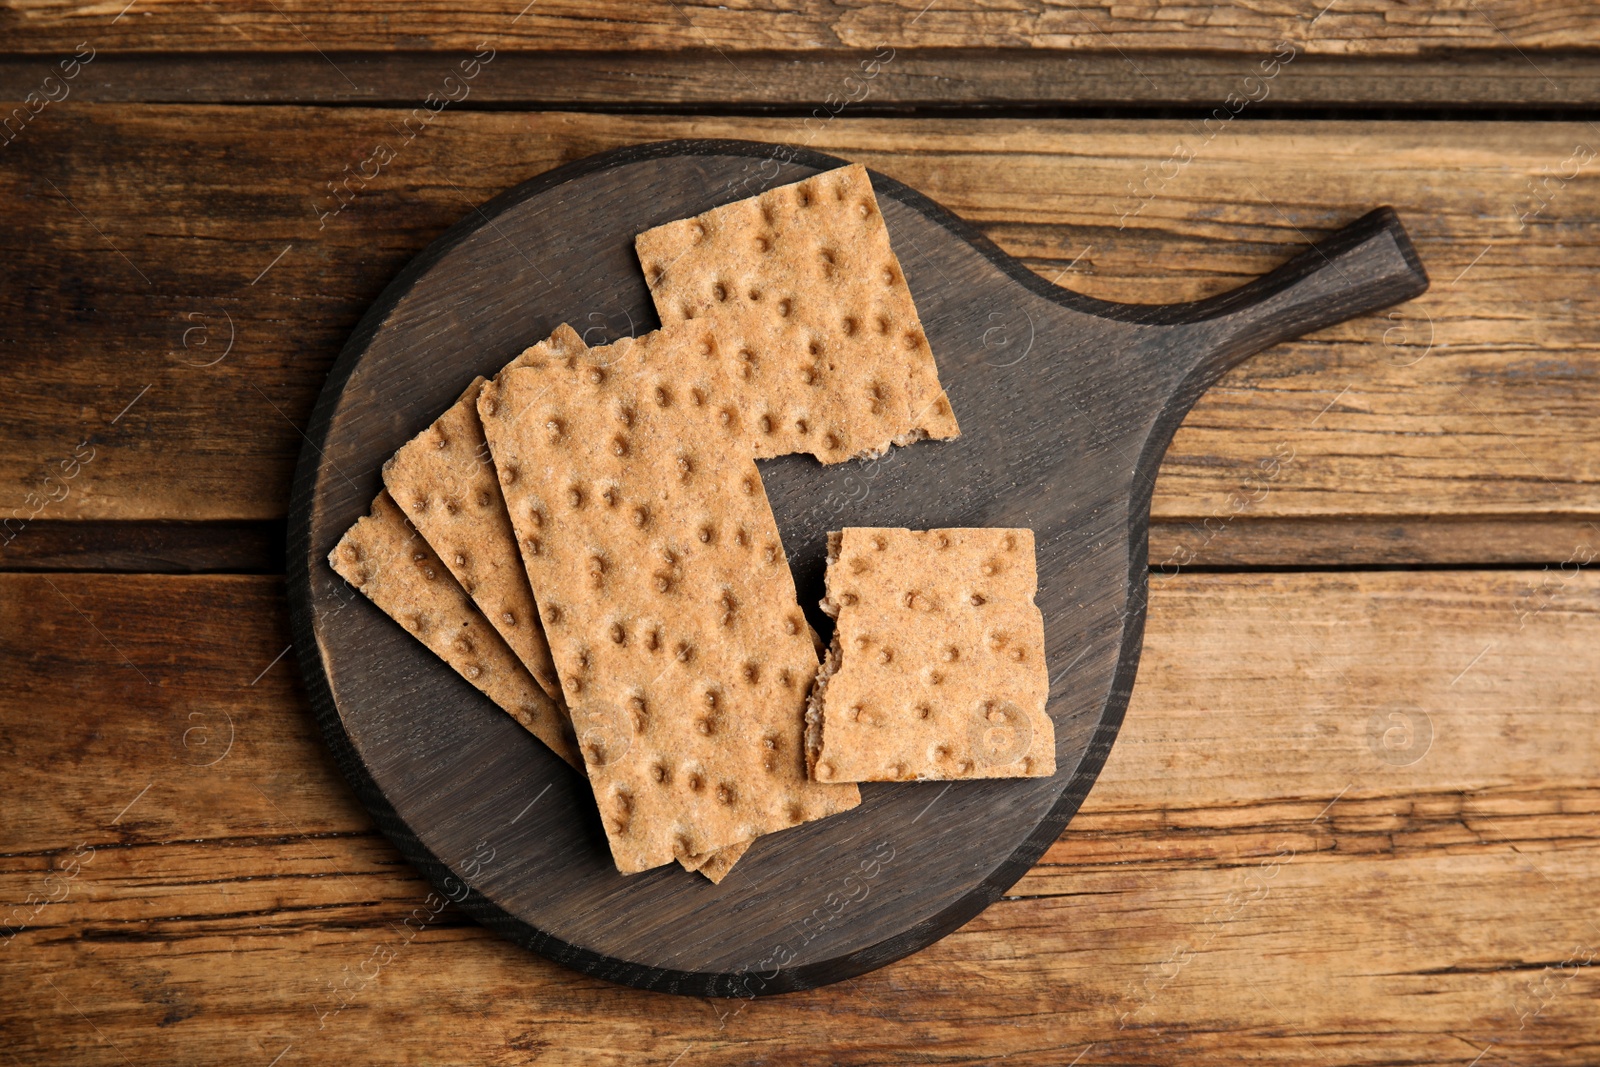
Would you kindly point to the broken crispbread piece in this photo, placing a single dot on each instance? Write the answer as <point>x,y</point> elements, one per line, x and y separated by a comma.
<point>716,865</point>
<point>936,669</point>
<point>665,594</point>
<point>444,481</point>
<point>388,561</point>
<point>798,294</point>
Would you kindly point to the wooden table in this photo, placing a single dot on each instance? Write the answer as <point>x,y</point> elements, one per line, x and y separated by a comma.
<point>1354,812</point>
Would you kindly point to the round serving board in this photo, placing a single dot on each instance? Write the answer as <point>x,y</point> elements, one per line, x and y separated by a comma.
<point>1066,405</point>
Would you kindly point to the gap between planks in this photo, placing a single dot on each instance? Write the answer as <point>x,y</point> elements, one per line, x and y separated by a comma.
<point>1198,544</point>
<point>1487,84</point>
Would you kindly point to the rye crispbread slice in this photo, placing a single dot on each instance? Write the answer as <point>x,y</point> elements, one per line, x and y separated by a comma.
<point>449,463</point>
<point>444,481</point>
<point>797,293</point>
<point>936,669</point>
<point>665,594</point>
<point>386,559</point>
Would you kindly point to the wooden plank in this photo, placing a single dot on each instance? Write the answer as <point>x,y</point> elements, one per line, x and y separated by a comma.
<point>941,79</point>
<point>562,25</point>
<point>1260,871</point>
<point>1476,401</point>
<point>186,668</point>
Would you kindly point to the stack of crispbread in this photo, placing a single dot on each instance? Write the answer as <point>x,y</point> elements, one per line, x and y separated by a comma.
<point>586,538</point>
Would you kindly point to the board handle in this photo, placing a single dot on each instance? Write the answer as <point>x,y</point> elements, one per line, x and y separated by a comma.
<point>1369,265</point>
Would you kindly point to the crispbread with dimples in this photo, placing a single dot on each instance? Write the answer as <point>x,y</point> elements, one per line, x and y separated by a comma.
<point>936,669</point>
<point>805,304</point>
<point>450,462</point>
<point>444,480</point>
<point>388,561</point>
<point>665,594</point>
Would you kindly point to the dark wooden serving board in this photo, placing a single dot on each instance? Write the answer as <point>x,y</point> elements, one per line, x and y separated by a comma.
<point>1066,406</point>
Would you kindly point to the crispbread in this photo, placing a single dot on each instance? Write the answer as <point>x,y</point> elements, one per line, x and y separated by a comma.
<point>444,481</point>
<point>666,596</point>
<point>797,294</point>
<point>716,865</point>
<point>388,561</point>
<point>450,462</point>
<point>936,670</point>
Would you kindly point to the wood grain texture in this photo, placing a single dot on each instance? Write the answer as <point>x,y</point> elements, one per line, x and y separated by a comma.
<point>1436,912</point>
<point>295,25</point>
<point>1491,421</point>
<point>1255,874</point>
<point>960,80</point>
